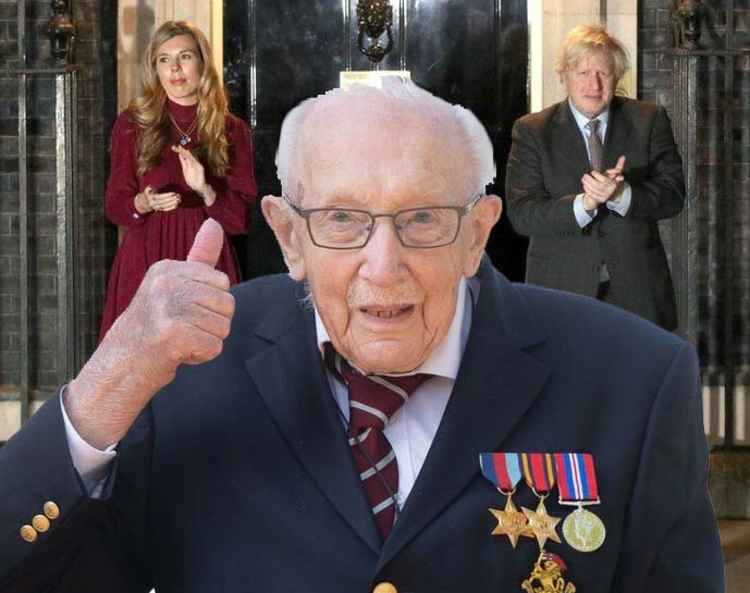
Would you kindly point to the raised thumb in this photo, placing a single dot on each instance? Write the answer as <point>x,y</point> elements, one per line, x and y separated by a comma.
<point>207,244</point>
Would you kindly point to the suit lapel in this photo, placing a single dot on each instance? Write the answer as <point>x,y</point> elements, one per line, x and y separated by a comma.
<point>290,378</point>
<point>496,384</point>
<point>569,140</point>
<point>619,129</point>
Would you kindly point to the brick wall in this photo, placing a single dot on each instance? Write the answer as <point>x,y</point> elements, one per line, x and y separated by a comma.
<point>94,55</point>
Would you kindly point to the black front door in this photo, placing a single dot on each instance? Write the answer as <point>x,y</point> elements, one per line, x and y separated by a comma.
<point>279,52</point>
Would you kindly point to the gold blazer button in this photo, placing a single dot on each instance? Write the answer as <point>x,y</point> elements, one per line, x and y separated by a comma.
<point>28,533</point>
<point>40,523</point>
<point>51,510</point>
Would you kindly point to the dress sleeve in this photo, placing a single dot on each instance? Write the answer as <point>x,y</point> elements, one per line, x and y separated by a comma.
<point>122,186</point>
<point>238,190</point>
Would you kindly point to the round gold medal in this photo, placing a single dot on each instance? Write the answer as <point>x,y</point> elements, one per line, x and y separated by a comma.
<point>583,530</point>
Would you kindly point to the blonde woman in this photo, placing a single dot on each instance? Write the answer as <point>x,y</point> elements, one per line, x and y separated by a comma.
<point>177,157</point>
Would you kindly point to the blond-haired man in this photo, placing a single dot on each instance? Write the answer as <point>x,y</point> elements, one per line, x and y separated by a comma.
<point>589,178</point>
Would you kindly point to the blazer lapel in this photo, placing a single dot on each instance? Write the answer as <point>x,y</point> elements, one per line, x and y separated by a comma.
<point>569,141</point>
<point>290,378</point>
<point>497,383</point>
<point>619,129</point>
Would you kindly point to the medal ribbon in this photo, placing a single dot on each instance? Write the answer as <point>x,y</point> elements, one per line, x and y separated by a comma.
<point>538,472</point>
<point>502,469</point>
<point>576,478</point>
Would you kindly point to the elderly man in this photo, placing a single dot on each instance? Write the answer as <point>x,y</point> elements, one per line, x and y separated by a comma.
<point>331,442</point>
<point>589,178</point>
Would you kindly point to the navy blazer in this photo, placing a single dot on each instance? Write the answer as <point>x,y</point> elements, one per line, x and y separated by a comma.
<point>238,476</point>
<point>545,166</point>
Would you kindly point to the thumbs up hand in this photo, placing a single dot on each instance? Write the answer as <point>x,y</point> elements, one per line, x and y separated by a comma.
<point>182,310</point>
<point>180,314</point>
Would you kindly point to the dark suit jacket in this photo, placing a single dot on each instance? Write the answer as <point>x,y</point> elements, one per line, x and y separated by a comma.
<point>545,166</point>
<point>238,477</point>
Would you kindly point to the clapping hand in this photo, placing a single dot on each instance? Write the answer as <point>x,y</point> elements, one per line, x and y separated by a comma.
<point>148,201</point>
<point>194,174</point>
<point>599,188</point>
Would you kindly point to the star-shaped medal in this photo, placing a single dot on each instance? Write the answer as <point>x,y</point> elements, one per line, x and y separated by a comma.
<point>510,522</point>
<point>542,524</point>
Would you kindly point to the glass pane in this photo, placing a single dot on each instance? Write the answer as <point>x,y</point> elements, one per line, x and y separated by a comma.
<point>339,227</point>
<point>427,226</point>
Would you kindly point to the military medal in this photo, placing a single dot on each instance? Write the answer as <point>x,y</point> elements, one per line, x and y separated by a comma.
<point>503,470</point>
<point>539,476</point>
<point>547,574</point>
<point>576,479</point>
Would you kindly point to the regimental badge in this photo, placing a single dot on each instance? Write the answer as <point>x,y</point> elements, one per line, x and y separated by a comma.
<point>503,470</point>
<point>576,477</point>
<point>547,576</point>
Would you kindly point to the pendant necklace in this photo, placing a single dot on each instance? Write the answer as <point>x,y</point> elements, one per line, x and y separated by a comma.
<point>184,134</point>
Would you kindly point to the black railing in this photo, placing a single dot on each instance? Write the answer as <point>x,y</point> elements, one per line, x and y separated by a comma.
<point>710,240</point>
<point>63,81</point>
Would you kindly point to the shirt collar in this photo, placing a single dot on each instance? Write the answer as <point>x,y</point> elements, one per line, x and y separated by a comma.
<point>446,358</point>
<point>582,120</point>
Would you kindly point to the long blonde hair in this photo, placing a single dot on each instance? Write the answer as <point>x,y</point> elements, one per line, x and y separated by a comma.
<point>150,111</point>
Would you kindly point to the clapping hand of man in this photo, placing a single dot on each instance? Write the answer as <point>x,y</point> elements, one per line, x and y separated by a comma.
<point>180,314</point>
<point>599,188</point>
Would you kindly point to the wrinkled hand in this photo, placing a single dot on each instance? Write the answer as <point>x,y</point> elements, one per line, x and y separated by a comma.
<point>180,314</point>
<point>599,188</point>
<point>148,200</point>
<point>182,310</point>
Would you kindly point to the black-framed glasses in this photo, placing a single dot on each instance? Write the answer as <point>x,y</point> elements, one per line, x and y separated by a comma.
<point>348,228</point>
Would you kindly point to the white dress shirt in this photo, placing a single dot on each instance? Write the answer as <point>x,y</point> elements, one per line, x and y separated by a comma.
<point>92,464</point>
<point>410,432</point>
<point>619,204</point>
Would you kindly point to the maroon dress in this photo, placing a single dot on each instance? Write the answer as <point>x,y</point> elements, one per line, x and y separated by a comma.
<point>169,235</point>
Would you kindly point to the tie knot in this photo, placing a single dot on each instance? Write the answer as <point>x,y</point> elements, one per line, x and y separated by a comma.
<point>373,399</point>
<point>593,125</point>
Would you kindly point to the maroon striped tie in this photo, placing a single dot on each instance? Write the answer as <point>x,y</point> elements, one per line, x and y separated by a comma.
<point>373,399</point>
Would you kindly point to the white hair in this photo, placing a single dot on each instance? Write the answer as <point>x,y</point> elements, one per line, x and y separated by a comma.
<point>396,92</point>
